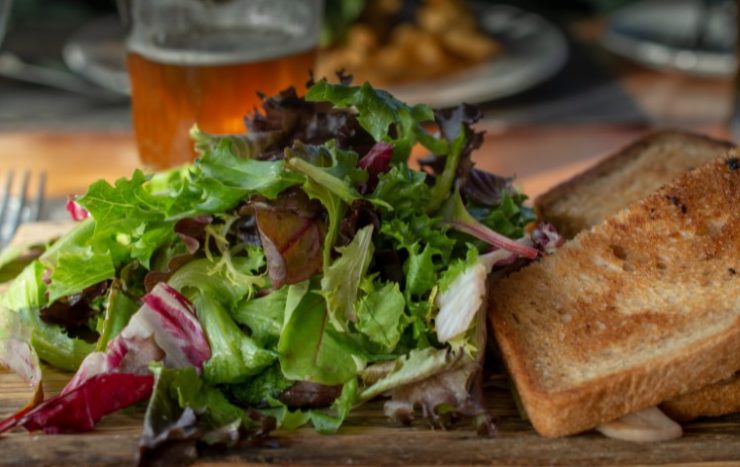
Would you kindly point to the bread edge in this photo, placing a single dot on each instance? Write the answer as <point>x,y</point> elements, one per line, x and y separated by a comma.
<point>544,202</point>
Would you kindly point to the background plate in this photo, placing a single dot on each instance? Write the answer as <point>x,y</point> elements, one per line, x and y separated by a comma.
<point>534,50</point>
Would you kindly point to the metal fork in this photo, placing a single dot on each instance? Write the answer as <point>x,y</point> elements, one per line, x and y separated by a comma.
<point>16,206</point>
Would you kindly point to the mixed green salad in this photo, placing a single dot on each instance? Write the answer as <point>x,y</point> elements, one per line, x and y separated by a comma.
<point>288,275</point>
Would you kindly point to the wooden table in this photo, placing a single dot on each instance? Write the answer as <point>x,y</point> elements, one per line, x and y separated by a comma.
<point>538,156</point>
<point>368,438</point>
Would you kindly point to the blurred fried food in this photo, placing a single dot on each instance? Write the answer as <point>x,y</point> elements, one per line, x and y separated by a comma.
<point>441,38</point>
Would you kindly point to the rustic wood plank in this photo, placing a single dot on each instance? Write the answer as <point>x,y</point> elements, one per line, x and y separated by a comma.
<point>369,438</point>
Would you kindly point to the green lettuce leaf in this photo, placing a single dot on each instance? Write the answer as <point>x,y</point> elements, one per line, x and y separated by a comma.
<point>342,278</point>
<point>118,311</point>
<point>404,189</point>
<point>416,366</point>
<point>380,316</point>
<point>234,355</point>
<point>263,316</point>
<point>323,177</point>
<point>265,386</point>
<point>324,421</point>
<point>508,218</point>
<point>377,112</point>
<point>27,291</point>
<point>77,269</point>
<point>307,350</point>
<point>420,270</point>
<point>267,178</point>
<point>127,213</point>
<point>52,343</point>
<point>182,407</point>
<point>443,183</point>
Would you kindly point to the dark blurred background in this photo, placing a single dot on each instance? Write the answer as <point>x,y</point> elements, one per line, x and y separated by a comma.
<point>594,83</point>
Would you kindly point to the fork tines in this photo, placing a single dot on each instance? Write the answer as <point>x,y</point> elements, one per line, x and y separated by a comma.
<point>17,205</point>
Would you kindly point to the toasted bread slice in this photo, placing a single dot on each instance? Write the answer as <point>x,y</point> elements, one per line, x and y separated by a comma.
<point>710,401</point>
<point>639,309</point>
<point>626,176</point>
<point>631,174</point>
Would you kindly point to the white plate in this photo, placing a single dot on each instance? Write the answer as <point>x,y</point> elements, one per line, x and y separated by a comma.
<point>534,50</point>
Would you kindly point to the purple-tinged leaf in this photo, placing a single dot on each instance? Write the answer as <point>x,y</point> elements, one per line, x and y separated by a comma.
<point>376,161</point>
<point>546,238</point>
<point>192,231</point>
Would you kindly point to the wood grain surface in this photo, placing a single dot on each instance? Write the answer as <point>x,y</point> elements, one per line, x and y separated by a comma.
<point>368,438</point>
<point>537,156</point>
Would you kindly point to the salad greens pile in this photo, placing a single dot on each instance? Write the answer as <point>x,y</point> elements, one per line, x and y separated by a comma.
<point>286,276</point>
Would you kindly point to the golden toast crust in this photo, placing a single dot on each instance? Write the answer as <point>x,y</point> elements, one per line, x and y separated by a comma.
<point>626,176</point>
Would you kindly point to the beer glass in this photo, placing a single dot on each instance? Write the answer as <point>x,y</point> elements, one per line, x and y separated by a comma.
<point>204,61</point>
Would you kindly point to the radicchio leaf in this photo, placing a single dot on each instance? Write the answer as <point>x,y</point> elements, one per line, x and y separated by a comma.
<point>76,212</point>
<point>165,328</point>
<point>80,408</point>
<point>376,161</point>
<point>292,234</point>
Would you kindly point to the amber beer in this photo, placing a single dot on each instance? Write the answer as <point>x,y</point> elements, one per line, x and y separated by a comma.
<point>168,98</point>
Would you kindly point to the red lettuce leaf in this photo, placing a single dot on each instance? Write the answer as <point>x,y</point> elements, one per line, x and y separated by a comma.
<point>292,233</point>
<point>376,161</point>
<point>192,231</point>
<point>76,212</point>
<point>82,407</point>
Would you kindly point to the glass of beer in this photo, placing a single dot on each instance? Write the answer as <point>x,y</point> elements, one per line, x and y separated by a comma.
<point>205,61</point>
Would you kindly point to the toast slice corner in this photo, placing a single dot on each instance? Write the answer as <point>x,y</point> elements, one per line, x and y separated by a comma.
<point>626,176</point>
<point>617,320</point>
